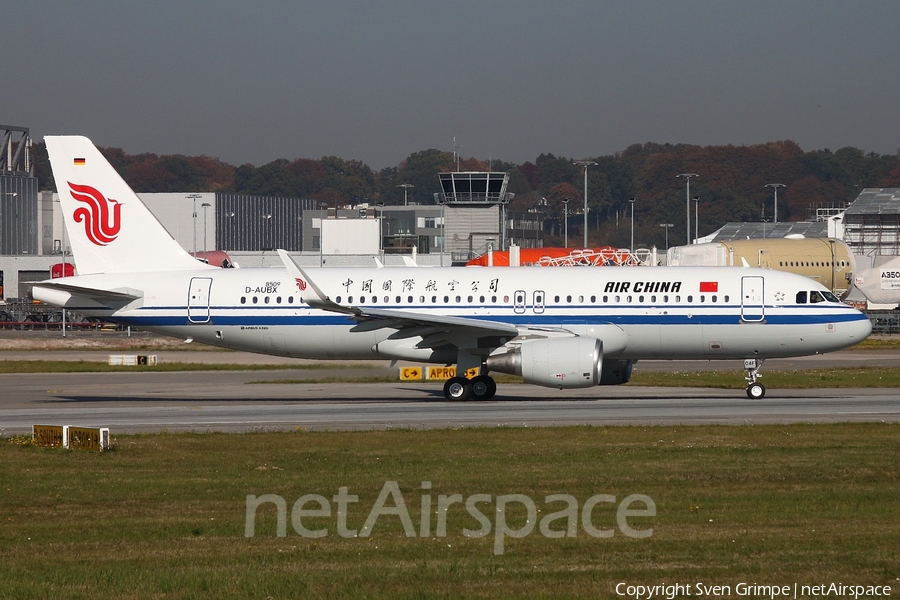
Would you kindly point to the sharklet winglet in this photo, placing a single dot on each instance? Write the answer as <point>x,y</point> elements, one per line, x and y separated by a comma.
<point>320,300</point>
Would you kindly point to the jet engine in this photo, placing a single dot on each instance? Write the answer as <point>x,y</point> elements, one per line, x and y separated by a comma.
<point>572,362</point>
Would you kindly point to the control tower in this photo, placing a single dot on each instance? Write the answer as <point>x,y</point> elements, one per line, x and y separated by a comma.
<point>474,207</point>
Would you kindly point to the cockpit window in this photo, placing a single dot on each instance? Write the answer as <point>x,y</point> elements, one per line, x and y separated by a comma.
<point>815,297</point>
<point>830,297</point>
<point>801,297</point>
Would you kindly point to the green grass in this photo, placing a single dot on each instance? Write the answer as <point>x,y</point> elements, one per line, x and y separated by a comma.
<point>81,366</point>
<point>878,342</point>
<point>840,377</point>
<point>164,515</point>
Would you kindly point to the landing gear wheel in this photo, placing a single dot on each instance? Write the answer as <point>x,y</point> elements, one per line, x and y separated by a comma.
<point>458,389</point>
<point>483,388</point>
<point>756,391</point>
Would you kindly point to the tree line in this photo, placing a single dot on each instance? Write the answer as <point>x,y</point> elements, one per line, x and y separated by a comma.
<point>730,184</point>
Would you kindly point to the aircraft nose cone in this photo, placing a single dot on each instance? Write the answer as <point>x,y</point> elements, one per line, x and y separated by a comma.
<point>860,329</point>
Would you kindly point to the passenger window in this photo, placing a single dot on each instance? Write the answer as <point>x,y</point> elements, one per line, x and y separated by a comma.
<point>255,299</point>
<point>278,300</point>
<point>690,299</point>
<point>349,299</point>
<point>641,299</point>
<point>338,299</point>
<point>569,299</point>
<point>399,300</point>
<point>421,299</point>
<point>243,299</point>
<point>628,300</point>
<point>470,299</point>
<point>678,299</point>
<point>702,299</point>
<point>434,299</point>
<point>593,299</point>
<point>801,297</point>
<point>290,299</point>
<point>714,298</point>
<point>446,299</point>
<point>726,299</point>
<point>409,299</point>
<point>605,299</point>
<point>556,299</point>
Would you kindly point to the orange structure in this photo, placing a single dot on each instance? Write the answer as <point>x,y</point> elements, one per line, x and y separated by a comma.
<point>607,256</point>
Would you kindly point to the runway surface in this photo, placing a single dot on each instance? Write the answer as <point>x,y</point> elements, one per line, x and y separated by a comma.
<point>131,402</point>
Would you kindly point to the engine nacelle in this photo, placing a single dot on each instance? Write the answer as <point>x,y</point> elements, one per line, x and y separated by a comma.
<point>572,362</point>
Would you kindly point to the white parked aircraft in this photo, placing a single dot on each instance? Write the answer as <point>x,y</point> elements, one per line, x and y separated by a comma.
<point>563,327</point>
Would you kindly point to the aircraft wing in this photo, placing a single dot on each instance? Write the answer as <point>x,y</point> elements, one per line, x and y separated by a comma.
<point>435,330</point>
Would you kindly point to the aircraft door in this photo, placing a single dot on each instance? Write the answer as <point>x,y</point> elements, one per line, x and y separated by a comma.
<point>198,300</point>
<point>752,298</point>
<point>539,302</point>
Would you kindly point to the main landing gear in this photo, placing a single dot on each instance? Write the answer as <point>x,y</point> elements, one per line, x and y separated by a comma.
<point>755,390</point>
<point>460,389</point>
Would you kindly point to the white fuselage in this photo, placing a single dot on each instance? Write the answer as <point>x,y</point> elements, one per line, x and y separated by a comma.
<point>638,312</point>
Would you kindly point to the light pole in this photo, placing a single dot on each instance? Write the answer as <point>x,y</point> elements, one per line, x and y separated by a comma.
<point>585,164</point>
<point>775,187</point>
<point>631,202</point>
<point>566,219</point>
<point>696,218</point>
<point>62,218</point>
<point>194,197</point>
<point>405,187</point>
<point>687,177</point>
<point>266,241</point>
<point>380,207</point>
<point>204,206</point>
<point>667,226</point>
<point>443,234</point>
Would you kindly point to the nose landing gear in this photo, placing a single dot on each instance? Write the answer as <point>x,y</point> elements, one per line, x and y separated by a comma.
<point>755,390</point>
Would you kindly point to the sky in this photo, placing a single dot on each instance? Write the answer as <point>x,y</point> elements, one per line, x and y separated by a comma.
<point>375,81</point>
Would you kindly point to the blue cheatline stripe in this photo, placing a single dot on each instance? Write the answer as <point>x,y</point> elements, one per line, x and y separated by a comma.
<point>520,320</point>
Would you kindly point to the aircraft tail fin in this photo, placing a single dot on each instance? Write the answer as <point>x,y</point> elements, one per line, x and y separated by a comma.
<point>110,229</point>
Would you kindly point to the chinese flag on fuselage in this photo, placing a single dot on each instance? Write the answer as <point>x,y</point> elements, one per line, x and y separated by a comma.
<point>709,286</point>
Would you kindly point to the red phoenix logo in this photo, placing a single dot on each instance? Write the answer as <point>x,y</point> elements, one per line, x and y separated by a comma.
<point>100,224</point>
<point>300,283</point>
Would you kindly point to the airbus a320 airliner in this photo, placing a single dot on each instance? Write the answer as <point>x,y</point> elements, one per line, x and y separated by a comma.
<point>561,327</point>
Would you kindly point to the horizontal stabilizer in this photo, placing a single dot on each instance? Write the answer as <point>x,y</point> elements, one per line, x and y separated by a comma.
<point>115,299</point>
